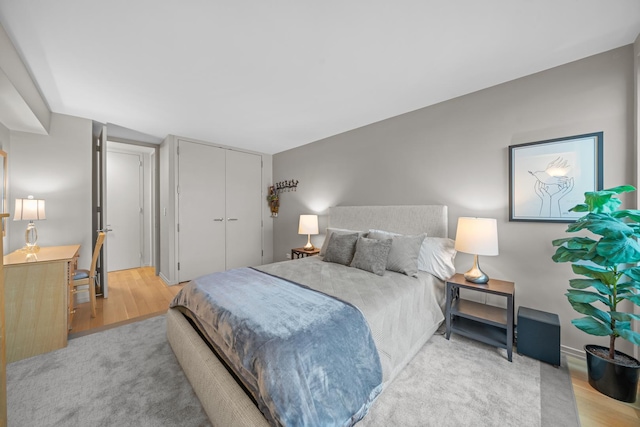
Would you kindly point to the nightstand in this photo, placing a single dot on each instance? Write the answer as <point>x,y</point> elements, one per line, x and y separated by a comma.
<point>302,253</point>
<point>486,323</point>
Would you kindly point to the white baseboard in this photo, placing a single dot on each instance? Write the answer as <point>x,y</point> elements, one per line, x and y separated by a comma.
<point>579,353</point>
<point>167,281</point>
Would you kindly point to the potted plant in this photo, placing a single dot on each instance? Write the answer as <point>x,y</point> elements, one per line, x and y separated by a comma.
<point>608,262</point>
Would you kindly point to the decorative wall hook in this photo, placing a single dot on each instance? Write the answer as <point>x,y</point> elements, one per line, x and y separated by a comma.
<point>274,194</point>
<point>290,185</point>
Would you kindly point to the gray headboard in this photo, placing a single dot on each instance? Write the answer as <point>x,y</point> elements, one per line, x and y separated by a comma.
<point>430,219</point>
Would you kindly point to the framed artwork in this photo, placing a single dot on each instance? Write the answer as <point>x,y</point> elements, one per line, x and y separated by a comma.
<point>547,178</point>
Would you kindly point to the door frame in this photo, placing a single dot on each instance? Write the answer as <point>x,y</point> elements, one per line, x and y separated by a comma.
<point>155,195</point>
<point>144,214</point>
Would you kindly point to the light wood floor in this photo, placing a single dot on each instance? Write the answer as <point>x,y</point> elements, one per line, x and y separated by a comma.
<point>133,294</point>
<point>139,293</point>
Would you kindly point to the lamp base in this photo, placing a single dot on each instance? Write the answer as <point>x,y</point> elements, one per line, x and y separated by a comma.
<point>31,249</point>
<point>308,246</point>
<point>30,238</point>
<point>475,275</point>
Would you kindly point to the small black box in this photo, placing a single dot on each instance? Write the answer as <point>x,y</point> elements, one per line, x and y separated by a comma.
<point>539,335</point>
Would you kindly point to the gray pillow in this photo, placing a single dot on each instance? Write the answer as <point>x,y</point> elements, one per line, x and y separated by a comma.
<point>371,255</point>
<point>330,231</point>
<point>403,256</point>
<point>340,248</point>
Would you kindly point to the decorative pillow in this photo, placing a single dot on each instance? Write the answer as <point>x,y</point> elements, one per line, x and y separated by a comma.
<point>330,231</point>
<point>403,256</point>
<point>340,248</point>
<point>437,255</point>
<point>371,255</point>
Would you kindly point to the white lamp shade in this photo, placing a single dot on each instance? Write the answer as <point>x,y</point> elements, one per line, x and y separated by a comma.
<point>29,209</point>
<point>478,236</point>
<point>308,224</point>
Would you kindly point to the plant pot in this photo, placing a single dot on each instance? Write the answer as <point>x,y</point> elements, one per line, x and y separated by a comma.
<point>612,377</point>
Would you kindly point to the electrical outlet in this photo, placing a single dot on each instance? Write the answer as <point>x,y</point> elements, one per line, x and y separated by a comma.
<point>288,255</point>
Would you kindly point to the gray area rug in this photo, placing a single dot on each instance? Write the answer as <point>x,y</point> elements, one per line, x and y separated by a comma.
<point>128,376</point>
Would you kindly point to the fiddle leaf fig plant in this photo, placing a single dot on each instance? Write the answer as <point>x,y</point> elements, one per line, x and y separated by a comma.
<point>607,259</point>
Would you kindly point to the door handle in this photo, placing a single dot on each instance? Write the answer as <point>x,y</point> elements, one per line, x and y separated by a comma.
<point>218,219</point>
<point>105,230</point>
<point>232,219</point>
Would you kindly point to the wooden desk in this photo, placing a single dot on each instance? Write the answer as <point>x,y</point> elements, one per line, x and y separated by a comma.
<point>38,300</point>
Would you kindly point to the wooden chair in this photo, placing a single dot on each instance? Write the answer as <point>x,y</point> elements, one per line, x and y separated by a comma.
<point>88,277</point>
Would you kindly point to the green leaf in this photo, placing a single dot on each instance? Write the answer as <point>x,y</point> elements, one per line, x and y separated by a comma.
<point>586,283</point>
<point>592,326</point>
<point>590,310</point>
<point>559,242</point>
<point>632,214</point>
<point>580,208</point>
<point>601,201</point>
<point>605,276</point>
<point>633,273</point>
<point>619,249</point>
<point>634,298</point>
<point>631,286</point>
<point>621,189</point>
<point>624,317</point>
<point>586,297</point>
<point>629,335</point>
<point>564,254</point>
<point>622,326</point>
<point>602,225</point>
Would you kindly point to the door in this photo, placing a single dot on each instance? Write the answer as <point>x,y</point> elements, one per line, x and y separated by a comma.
<point>99,203</point>
<point>243,207</point>
<point>201,213</point>
<point>125,210</point>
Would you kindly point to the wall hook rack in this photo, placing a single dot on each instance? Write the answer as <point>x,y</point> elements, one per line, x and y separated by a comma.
<point>274,194</point>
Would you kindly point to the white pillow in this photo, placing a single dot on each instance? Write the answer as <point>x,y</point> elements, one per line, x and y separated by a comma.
<point>437,255</point>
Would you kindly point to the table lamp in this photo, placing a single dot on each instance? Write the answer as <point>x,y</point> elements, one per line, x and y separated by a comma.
<point>308,225</point>
<point>30,209</point>
<point>477,236</point>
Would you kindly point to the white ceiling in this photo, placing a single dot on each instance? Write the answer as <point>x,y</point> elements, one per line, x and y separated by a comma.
<point>272,75</point>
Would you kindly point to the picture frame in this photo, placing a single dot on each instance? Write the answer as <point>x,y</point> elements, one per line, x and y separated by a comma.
<point>547,178</point>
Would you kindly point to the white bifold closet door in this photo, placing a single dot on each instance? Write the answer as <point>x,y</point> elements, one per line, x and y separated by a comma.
<point>243,203</point>
<point>219,210</point>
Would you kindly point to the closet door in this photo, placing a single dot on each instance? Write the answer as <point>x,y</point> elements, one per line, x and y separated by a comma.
<point>244,202</point>
<point>201,210</point>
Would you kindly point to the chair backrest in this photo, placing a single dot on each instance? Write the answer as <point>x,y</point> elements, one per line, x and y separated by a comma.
<point>96,253</point>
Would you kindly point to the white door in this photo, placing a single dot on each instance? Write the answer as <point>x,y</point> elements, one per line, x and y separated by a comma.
<point>201,213</point>
<point>244,202</point>
<point>124,211</point>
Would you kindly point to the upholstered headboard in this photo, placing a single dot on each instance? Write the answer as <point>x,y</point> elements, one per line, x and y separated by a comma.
<point>430,219</point>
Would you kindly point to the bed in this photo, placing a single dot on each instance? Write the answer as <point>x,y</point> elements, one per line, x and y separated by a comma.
<point>400,323</point>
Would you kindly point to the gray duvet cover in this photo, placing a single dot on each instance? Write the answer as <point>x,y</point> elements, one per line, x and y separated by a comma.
<point>402,312</point>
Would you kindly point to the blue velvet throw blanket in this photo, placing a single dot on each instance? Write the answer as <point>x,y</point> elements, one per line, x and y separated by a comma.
<point>308,359</point>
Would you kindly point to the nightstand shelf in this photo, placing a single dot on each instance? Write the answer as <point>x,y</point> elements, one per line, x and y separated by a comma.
<point>486,323</point>
<point>484,313</point>
<point>303,253</point>
<point>485,333</point>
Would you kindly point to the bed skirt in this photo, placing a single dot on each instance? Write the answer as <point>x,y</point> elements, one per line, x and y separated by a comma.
<point>224,401</point>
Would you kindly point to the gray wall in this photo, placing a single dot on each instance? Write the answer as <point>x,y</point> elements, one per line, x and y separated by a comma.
<point>456,153</point>
<point>56,168</point>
